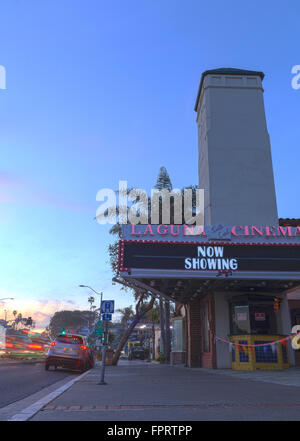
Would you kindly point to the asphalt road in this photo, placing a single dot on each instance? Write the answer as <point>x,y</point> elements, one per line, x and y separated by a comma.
<point>21,380</point>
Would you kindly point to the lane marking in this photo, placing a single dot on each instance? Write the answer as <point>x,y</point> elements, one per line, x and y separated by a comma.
<point>29,411</point>
<point>76,408</point>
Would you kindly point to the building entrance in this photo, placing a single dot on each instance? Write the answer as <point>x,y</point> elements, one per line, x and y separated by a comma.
<point>207,343</point>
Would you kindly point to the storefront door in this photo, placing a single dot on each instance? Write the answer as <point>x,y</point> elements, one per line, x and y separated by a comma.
<point>208,350</point>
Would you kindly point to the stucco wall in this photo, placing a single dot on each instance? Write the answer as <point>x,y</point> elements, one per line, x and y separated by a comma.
<point>222,326</point>
<point>235,165</point>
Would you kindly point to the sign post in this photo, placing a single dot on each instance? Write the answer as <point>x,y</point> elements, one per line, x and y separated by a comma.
<point>107,308</point>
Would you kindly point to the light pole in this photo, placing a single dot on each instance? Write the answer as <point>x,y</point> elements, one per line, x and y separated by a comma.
<point>98,293</point>
<point>104,347</point>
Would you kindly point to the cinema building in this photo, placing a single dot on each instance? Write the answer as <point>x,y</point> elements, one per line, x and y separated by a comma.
<point>234,277</point>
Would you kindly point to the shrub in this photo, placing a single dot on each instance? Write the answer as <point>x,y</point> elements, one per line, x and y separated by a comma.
<point>161,358</point>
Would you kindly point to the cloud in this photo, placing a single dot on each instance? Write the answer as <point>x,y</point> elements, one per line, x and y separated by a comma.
<point>9,179</point>
<point>41,311</point>
<point>19,190</point>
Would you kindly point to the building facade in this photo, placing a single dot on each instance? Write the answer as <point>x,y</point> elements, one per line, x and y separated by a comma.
<point>234,275</point>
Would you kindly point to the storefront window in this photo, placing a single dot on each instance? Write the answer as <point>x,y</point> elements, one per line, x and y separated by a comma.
<point>240,319</point>
<point>252,315</point>
<point>178,337</point>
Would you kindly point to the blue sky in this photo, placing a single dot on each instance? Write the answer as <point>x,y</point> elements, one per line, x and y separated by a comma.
<point>99,92</point>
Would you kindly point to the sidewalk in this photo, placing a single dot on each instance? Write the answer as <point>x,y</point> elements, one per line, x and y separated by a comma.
<point>285,377</point>
<point>141,391</point>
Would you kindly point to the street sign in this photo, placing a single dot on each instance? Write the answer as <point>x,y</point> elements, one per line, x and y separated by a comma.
<point>99,331</point>
<point>106,317</point>
<point>108,306</point>
<point>99,324</point>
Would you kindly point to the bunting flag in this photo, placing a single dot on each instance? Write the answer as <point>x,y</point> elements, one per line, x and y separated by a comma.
<point>251,353</point>
<point>260,347</point>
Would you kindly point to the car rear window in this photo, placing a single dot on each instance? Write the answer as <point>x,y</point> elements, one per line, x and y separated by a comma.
<point>69,339</point>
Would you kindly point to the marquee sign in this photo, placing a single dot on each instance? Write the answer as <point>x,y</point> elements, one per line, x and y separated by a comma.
<point>209,256</point>
<point>196,234</point>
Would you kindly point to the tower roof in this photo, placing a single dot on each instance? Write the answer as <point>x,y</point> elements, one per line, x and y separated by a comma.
<point>226,71</point>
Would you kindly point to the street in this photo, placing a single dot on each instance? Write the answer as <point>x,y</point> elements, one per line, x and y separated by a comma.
<point>17,381</point>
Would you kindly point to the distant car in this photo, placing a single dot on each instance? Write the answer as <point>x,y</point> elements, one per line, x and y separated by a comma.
<point>136,353</point>
<point>40,343</point>
<point>70,351</point>
<point>18,345</point>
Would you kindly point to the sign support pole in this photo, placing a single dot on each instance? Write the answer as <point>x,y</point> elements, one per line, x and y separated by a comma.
<point>104,348</point>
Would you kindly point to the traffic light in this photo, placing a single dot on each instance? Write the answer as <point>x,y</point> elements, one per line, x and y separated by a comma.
<point>63,331</point>
<point>276,304</point>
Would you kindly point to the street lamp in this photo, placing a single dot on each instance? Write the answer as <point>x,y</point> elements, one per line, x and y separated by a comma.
<point>98,293</point>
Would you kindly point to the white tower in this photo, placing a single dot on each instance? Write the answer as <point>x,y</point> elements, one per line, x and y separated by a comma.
<point>235,164</point>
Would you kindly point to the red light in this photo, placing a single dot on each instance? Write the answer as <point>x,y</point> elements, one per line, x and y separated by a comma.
<point>53,343</point>
<point>83,347</point>
<point>9,345</point>
<point>35,346</point>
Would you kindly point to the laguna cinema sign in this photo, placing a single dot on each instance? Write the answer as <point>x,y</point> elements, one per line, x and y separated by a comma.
<point>218,248</point>
<point>225,232</point>
<point>209,257</point>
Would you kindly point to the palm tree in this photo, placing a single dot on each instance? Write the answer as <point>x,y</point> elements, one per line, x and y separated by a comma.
<point>91,300</point>
<point>127,314</point>
<point>18,319</point>
<point>154,317</point>
<point>142,307</point>
<point>142,295</point>
<point>15,313</point>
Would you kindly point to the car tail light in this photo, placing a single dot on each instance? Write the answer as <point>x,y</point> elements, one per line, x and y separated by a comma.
<point>35,347</point>
<point>9,345</point>
<point>83,347</point>
<point>53,343</point>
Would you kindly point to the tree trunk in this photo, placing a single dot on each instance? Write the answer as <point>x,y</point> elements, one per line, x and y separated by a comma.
<point>128,332</point>
<point>168,333</point>
<point>162,324</point>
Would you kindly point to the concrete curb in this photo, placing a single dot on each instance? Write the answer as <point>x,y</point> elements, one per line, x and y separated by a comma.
<point>30,411</point>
